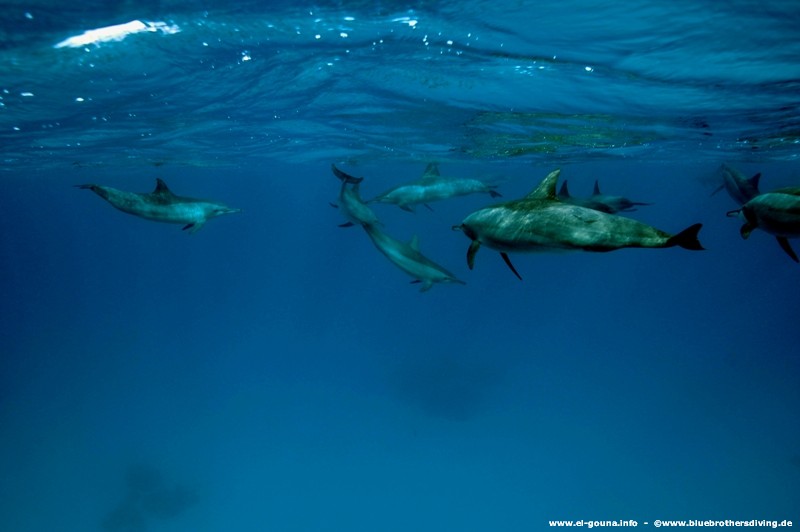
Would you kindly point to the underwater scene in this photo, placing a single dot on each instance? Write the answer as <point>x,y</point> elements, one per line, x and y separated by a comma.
<point>387,266</point>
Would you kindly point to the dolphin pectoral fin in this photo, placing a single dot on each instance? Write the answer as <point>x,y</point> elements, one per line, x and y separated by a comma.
<point>193,228</point>
<point>493,193</point>
<point>429,207</point>
<point>784,243</point>
<point>717,189</point>
<point>333,205</point>
<point>511,266</point>
<point>406,208</point>
<point>473,249</point>
<point>347,224</point>
<point>746,229</point>
<point>426,285</point>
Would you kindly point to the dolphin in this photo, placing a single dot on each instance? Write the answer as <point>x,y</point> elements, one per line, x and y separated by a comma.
<point>599,201</point>
<point>352,207</point>
<point>739,187</point>
<point>542,222</point>
<point>777,213</point>
<point>408,258</point>
<point>162,205</point>
<point>432,187</point>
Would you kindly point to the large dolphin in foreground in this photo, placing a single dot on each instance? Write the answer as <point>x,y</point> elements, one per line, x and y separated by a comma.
<point>542,222</point>
<point>408,258</point>
<point>350,203</point>
<point>432,187</point>
<point>162,205</point>
<point>741,188</point>
<point>777,213</point>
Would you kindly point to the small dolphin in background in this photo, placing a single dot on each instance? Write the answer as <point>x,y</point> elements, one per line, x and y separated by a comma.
<point>739,187</point>
<point>542,222</point>
<point>162,205</point>
<point>432,187</point>
<point>408,258</point>
<point>599,201</point>
<point>777,213</point>
<point>352,207</point>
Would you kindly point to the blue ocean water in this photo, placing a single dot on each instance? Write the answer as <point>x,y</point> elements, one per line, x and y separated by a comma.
<point>273,371</point>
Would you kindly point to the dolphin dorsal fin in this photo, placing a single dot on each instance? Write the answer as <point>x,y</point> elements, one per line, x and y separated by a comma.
<point>564,192</point>
<point>547,188</point>
<point>162,188</point>
<point>414,243</point>
<point>432,170</point>
<point>755,179</point>
<point>596,189</point>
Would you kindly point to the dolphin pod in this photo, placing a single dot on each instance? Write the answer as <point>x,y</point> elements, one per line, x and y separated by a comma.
<point>542,221</point>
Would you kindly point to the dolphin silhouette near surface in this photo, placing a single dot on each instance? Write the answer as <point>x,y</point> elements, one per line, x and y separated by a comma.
<point>162,205</point>
<point>542,222</point>
<point>599,201</point>
<point>432,187</point>
<point>740,187</point>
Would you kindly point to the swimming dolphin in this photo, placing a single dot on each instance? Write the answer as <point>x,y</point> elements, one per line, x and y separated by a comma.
<point>542,222</point>
<point>432,187</point>
<point>777,213</point>
<point>353,208</point>
<point>599,201</point>
<point>162,205</point>
<point>408,258</point>
<point>739,187</point>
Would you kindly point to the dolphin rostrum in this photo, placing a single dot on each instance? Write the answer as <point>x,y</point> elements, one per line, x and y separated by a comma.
<point>352,207</point>
<point>599,201</point>
<point>162,205</point>
<point>741,188</point>
<point>408,258</point>
<point>777,213</point>
<point>432,187</point>
<point>542,222</point>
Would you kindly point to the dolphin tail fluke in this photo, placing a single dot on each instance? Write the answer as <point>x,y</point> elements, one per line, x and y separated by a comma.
<point>511,266</point>
<point>784,243</point>
<point>687,239</point>
<point>346,178</point>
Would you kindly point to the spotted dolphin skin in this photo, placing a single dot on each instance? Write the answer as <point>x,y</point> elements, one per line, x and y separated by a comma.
<point>162,205</point>
<point>408,258</point>
<point>777,213</point>
<point>542,222</point>
<point>432,187</point>
<point>350,203</point>
<point>741,188</point>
